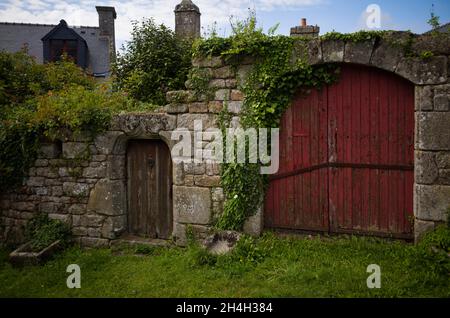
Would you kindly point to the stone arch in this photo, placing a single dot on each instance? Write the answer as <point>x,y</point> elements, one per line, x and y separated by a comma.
<point>110,193</point>
<point>381,53</point>
<point>432,106</point>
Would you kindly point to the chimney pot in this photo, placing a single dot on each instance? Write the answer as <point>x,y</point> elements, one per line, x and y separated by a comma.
<point>303,24</point>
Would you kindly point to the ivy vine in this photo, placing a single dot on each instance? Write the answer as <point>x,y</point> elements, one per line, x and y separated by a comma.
<point>269,89</point>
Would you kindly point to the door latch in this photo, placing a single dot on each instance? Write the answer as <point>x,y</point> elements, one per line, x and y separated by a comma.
<point>151,162</point>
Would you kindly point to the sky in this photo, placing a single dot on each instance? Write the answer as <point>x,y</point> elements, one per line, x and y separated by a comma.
<point>339,15</point>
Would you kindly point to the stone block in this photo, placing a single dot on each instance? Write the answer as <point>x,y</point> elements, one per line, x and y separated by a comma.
<point>432,202</point>
<point>76,189</point>
<point>89,220</point>
<point>41,163</point>
<point>207,181</point>
<point>388,51</point>
<point>423,98</point>
<point>426,168</point>
<point>217,194</point>
<point>77,209</point>
<point>358,52</point>
<point>51,207</point>
<point>108,198</point>
<point>178,173</point>
<point>194,168</point>
<point>442,103</point>
<point>231,83</point>
<point>333,51</point>
<point>444,177</point>
<point>187,121</point>
<point>95,170</point>
<point>234,107</point>
<point>93,242</point>
<point>237,95</point>
<point>254,224</point>
<point>212,169</point>
<point>222,94</point>
<point>223,72</point>
<point>192,205</point>
<point>217,84</point>
<point>176,108</point>
<point>421,72</point>
<point>35,182</point>
<point>198,107</point>
<point>50,150</point>
<point>443,160</point>
<point>433,130</point>
<point>215,106</point>
<point>307,51</point>
<point>105,142</point>
<point>72,150</point>
<point>214,61</point>
<point>116,167</point>
<point>79,231</point>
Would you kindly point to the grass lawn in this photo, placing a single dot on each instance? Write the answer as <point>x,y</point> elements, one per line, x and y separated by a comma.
<point>267,267</point>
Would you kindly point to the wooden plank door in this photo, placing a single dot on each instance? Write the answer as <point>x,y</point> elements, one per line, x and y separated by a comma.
<point>297,197</point>
<point>149,168</point>
<point>347,157</point>
<point>371,130</point>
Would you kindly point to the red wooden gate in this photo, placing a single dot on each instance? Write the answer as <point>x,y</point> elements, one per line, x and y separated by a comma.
<point>347,157</point>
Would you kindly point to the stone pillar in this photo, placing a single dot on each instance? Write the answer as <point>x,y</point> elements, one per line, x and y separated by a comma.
<point>304,30</point>
<point>187,20</point>
<point>432,188</point>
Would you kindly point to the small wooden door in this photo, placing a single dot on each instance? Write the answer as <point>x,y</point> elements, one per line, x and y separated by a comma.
<point>347,158</point>
<point>149,168</point>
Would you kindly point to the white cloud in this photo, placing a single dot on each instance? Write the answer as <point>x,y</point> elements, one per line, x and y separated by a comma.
<point>83,12</point>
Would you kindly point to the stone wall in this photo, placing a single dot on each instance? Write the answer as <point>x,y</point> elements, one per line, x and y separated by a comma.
<point>83,181</point>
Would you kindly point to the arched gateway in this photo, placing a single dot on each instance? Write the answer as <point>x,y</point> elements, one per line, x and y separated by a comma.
<point>347,158</point>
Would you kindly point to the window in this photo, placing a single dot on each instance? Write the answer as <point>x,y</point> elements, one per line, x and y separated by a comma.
<point>59,47</point>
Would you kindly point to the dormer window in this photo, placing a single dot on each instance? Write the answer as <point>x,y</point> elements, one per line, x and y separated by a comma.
<point>60,47</point>
<point>64,40</point>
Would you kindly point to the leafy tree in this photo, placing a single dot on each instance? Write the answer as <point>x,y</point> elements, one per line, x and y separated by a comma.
<point>152,63</point>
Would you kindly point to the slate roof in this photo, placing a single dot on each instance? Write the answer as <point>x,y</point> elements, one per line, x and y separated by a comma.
<point>14,36</point>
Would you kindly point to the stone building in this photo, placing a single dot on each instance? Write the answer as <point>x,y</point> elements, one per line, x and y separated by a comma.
<point>92,48</point>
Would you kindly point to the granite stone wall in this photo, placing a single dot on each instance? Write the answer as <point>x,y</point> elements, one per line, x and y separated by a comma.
<point>83,182</point>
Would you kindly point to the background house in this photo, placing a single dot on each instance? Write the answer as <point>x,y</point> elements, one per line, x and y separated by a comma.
<point>92,48</point>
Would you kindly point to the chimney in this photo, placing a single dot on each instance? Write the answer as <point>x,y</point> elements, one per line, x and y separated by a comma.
<point>305,30</point>
<point>106,17</point>
<point>187,20</point>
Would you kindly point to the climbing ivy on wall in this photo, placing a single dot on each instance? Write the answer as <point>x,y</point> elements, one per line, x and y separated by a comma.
<point>269,89</point>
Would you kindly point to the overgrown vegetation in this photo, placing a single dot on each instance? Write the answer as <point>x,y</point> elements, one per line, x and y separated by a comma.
<point>153,62</point>
<point>38,101</point>
<point>268,90</point>
<point>263,267</point>
<point>41,231</point>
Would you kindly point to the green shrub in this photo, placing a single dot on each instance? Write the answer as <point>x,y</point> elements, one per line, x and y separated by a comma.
<point>41,231</point>
<point>152,63</point>
<point>249,250</point>
<point>22,79</point>
<point>432,253</point>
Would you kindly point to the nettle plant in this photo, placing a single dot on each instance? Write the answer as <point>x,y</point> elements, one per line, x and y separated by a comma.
<point>269,89</point>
